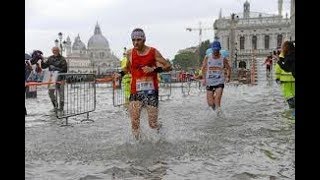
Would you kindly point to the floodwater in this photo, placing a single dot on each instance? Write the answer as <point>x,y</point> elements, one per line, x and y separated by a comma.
<point>253,140</point>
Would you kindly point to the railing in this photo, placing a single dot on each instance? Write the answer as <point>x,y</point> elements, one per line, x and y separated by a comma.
<point>191,86</point>
<point>255,51</point>
<point>119,96</point>
<point>76,94</point>
<point>165,87</point>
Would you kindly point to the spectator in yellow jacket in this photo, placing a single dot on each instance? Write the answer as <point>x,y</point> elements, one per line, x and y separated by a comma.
<point>126,79</point>
<point>287,82</point>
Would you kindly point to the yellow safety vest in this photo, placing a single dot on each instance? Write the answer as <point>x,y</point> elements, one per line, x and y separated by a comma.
<point>123,63</point>
<point>126,78</point>
<point>282,75</point>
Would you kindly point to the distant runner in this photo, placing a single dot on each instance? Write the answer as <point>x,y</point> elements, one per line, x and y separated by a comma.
<point>217,72</point>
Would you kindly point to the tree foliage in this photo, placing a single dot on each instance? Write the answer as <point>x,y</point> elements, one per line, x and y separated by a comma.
<point>203,48</point>
<point>186,60</point>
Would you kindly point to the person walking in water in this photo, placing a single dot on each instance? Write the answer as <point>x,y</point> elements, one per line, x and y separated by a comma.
<point>144,90</point>
<point>217,71</point>
<point>56,62</point>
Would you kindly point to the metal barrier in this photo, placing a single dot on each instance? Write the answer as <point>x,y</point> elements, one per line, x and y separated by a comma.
<point>165,87</point>
<point>185,86</point>
<point>118,94</point>
<point>199,86</point>
<point>76,94</point>
<point>189,87</point>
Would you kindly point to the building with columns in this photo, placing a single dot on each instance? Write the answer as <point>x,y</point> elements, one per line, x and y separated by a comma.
<point>95,58</point>
<point>254,33</point>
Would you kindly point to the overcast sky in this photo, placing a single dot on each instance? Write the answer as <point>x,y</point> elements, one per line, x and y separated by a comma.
<point>164,21</point>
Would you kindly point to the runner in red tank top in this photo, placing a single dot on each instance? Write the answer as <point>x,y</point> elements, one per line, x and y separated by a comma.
<point>141,64</point>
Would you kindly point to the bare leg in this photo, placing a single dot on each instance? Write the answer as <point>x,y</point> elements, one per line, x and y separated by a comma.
<point>134,111</point>
<point>210,98</point>
<point>217,99</point>
<point>153,116</point>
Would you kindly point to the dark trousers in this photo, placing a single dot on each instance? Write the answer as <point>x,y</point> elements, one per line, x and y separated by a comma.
<point>60,89</point>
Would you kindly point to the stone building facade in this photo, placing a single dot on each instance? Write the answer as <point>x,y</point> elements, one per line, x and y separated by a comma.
<point>255,33</point>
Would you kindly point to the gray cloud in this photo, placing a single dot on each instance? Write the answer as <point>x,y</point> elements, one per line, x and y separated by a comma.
<point>164,21</point>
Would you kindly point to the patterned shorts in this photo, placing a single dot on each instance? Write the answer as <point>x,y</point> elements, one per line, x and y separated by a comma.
<point>147,98</point>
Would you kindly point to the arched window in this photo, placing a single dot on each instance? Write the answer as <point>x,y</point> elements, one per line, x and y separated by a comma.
<point>242,40</point>
<point>279,40</point>
<point>254,42</point>
<point>242,64</point>
<point>266,41</point>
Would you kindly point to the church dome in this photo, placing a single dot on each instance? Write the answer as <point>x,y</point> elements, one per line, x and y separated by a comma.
<point>78,44</point>
<point>98,41</point>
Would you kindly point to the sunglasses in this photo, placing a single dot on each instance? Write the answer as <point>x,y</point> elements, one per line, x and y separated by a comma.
<point>136,40</point>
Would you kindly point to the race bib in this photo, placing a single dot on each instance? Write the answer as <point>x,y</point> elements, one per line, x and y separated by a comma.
<point>214,78</point>
<point>213,74</point>
<point>144,85</point>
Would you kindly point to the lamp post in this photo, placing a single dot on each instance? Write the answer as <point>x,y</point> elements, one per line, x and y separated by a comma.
<point>233,51</point>
<point>61,44</point>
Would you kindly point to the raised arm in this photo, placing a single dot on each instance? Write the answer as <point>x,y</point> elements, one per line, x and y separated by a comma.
<point>166,65</point>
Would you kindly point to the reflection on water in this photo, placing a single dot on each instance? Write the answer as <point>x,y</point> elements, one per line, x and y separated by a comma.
<point>252,141</point>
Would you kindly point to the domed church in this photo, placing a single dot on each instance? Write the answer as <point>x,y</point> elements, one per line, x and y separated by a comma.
<point>95,58</point>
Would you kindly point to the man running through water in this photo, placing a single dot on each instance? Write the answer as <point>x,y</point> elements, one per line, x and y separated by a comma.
<point>215,66</point>
<point>144,92</point>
